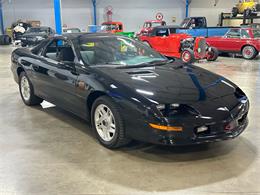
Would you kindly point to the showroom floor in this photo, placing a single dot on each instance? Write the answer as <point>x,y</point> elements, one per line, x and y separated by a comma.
<point>49,151</point>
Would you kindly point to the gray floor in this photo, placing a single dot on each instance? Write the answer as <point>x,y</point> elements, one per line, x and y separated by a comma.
<point>49,151</point>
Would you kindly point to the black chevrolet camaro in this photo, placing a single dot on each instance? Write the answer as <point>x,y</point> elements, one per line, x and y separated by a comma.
<point>128,91</point>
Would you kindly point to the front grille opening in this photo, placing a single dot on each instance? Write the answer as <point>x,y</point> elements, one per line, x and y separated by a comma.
<point>242,119</point>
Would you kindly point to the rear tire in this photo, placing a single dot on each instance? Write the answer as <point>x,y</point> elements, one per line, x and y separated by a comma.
<point>27,92</point>
<point>234,12</point>
<point>108,123</point>
<point>247,12</point>
<point>187,56</point>
<point>249,52</point>
<point>212,55</point>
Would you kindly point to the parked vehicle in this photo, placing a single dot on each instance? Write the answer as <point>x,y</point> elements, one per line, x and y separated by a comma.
<point>245,41</point>
<point>129,91</point>
<point>112,27</point>
<point>197,26</point>
<point>35,35</point>
<point>71,30</point>
<point>149,25</point>
<point>246,7</point>
<point>117,28</point>
<point>165,40</point>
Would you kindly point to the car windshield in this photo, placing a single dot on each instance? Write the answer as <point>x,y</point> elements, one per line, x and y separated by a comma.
<point>38,30</point>
<point>185,23</point>
<point>256,33</point>
<point>119,51</point>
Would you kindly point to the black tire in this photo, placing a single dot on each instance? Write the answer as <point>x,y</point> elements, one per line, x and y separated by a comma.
<point>247,12</point>
<point>249,52</point>
<point>119,138</point>
<point>212,54</point>
<point>187,56</point>
<point>33,99</point>
<point>234,12</point>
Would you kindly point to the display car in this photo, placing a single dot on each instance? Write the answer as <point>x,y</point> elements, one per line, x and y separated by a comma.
<point>116,28</point>
<point>35,35</point>
<point>246,7</point>
<point>129,91</point>
<point>71,30</point>
<point>165,40</point>
<point>244,41</point>
<point>149,25</point>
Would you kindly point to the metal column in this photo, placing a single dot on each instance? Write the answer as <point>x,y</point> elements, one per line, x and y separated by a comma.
<point>2,30</point>
<point>94,2</point>
<point>187,8</point>
<point>58,18</point>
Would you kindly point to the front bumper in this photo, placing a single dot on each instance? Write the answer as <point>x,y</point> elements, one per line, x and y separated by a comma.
<point>217,131</point>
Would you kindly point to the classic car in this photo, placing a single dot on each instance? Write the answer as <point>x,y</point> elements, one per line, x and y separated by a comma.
<point>165,40</point>
<point>112,27</point>
<point>246,7</point>
<point>244,41</point>
<point>71,30</point>
<point>35,35</point>
<point>149,25</point>
<point>117,28</point>
<point>129,91</point>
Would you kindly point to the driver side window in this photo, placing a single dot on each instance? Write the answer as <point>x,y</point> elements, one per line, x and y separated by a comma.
<point>234,33</point>
<point>60,50</point>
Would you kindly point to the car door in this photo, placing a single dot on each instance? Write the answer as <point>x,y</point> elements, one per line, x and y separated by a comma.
<point>230,42</point>
<point>57,75</point>
<point>160,40</point>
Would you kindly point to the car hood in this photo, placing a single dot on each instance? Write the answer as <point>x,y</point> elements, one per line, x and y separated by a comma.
<point>172,83</point>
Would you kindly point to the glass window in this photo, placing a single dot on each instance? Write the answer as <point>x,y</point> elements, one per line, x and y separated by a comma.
<point>116,51</point>
<point>233,33</point>
<point>245,34</point>
<point>256,33</point>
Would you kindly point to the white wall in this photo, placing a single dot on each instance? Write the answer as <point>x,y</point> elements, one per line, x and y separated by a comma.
<point>79,13</point>
<point>207,8</point>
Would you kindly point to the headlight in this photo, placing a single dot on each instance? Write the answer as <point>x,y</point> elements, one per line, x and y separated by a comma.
<point>175,109</point>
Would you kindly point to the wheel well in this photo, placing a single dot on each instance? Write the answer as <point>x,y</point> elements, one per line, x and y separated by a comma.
<point>248,45</point>
<point>92,97</point>
<point>19,70</point>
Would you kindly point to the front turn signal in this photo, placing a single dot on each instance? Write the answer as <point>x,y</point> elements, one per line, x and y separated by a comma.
<point>166,128</point>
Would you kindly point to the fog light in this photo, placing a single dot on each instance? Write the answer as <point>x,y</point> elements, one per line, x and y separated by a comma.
<point>202,129</point>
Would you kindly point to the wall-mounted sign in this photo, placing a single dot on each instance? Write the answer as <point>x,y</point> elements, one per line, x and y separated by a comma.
<point>159,16</point>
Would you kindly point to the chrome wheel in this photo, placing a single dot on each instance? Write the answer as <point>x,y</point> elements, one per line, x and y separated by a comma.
<point>25,88</point>
<point>248,52</point>
<point>104,122</point>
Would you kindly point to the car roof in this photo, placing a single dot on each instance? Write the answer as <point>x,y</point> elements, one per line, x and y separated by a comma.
<point>166,26</point>
<point>104,23</point>
<point>73,36</point>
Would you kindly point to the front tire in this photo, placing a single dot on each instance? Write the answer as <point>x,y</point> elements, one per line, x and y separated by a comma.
<point>235,12</point>
<point>108,123</point>
<point>249,52</point>
<point>187,56</point>
<point>27,92</point>
<point>212,54</point>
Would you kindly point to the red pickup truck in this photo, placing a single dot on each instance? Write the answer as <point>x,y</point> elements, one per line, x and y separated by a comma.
<point>149,25</point>
<point>165,40</point>
<point>245,41</point>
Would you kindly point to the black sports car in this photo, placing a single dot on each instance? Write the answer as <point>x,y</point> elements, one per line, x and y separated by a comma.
<point>129,91</point>
<point>35,35</point>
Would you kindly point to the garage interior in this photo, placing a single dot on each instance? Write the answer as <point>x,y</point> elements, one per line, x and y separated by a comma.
<point>50,151</point>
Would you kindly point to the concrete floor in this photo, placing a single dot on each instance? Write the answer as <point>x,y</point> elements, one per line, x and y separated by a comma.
<point>50,151</point>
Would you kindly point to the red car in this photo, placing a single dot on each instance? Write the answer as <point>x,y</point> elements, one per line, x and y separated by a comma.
<point>245,41</point>
<point>149,25</point>
<point>165,40</point>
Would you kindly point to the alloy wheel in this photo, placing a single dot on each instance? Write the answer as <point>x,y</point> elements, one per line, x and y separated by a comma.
<point>25,88</point>
<point>105,122</point>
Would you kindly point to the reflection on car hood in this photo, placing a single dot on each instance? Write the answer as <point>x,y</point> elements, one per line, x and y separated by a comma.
<point>172,83</point>
<point>34,34</point>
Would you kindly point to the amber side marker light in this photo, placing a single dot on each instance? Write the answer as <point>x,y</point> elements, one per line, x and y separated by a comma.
<point>166,128</point>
